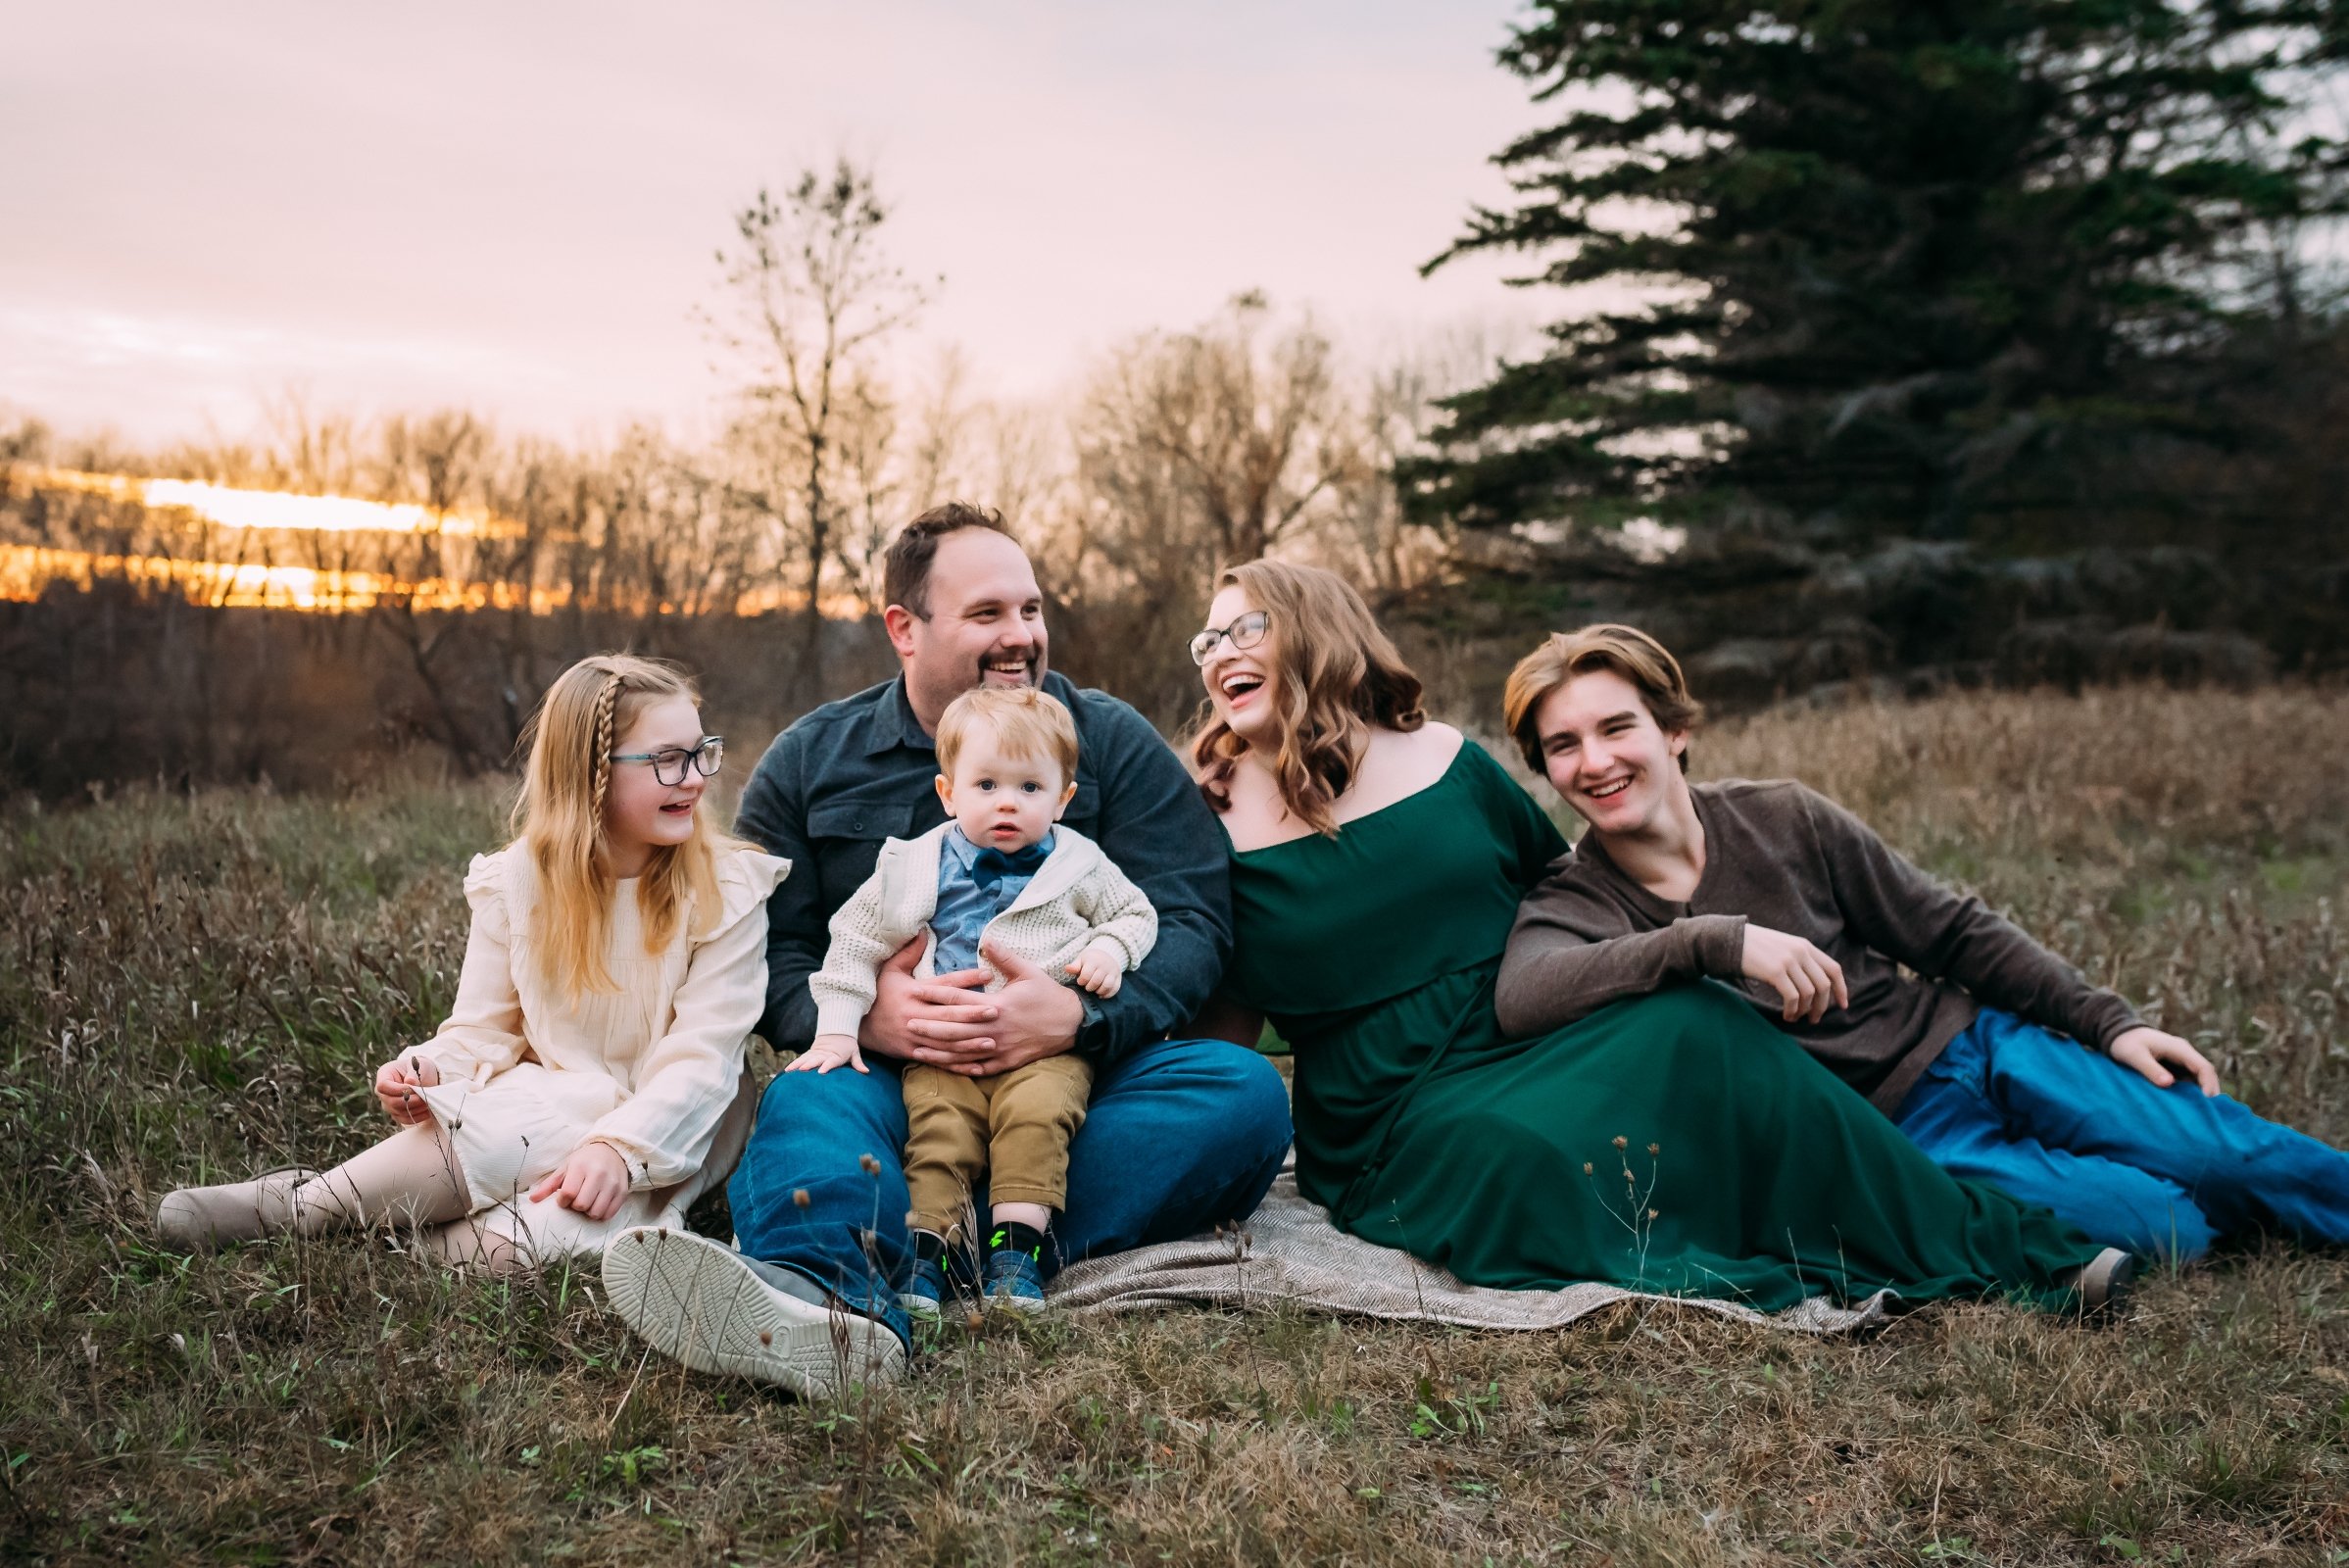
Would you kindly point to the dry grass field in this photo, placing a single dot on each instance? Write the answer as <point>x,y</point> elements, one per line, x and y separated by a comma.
<point>196,986</point>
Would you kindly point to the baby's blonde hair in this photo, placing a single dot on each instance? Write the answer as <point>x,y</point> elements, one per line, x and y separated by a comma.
<point>559,818</point>
<point>1026,721</point>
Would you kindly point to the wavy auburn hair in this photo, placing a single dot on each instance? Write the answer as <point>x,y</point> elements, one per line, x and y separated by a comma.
<point>1335,677</point>
<point>560,820</point>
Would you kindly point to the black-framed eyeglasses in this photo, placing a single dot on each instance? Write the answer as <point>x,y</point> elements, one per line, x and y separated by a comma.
<point>670,765</point>
<point>1246,632</point>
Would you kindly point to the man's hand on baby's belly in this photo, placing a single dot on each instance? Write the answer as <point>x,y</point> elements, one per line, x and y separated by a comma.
<point>1032,1017</point>
<point>898,1000</point>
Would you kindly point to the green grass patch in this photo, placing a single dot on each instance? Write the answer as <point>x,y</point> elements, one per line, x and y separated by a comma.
<point>197,987</point>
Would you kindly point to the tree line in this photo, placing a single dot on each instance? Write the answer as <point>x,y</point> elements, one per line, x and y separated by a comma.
<point>758,550</point>
<point>1989,338</point>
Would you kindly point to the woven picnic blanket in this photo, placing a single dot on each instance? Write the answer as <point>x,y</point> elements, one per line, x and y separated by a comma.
<point>1288,1253</point>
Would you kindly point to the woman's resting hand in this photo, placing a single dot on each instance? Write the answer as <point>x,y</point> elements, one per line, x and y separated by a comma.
<point>396,1083</point>
<point>593,1182</point>
<point>1806,979</point>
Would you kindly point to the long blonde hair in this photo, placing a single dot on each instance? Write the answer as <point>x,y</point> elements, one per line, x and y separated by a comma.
<point>560,820</point>
<point>1339,677</point>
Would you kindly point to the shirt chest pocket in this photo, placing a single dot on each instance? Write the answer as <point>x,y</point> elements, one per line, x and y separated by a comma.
<point>852,818</point>
<point>845,835</point>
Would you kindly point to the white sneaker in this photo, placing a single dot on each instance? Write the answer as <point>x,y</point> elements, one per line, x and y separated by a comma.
<point>705,1305</point>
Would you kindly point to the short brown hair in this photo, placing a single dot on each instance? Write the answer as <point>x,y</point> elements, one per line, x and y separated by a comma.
<point>1029,723</point>
<point>1628,652</point>
<point>906,572</point>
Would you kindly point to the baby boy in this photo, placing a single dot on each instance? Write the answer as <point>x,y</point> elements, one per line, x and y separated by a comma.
<point>999,871</point>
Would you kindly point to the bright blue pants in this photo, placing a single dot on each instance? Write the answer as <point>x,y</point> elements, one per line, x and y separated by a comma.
<point>1179,1136</point>
<point>2158,1171</point>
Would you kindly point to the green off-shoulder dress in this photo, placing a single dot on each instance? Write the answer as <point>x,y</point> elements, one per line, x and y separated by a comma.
<point>1676,1143</point>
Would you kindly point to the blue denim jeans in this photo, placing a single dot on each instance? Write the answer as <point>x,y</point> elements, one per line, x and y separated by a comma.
<point>1181,1135</point>
<point>2159,1171</point>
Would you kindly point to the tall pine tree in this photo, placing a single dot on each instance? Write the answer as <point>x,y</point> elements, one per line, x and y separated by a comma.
<point>1911,266</point>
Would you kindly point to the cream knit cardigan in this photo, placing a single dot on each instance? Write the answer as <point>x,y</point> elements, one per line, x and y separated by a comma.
<point>1076,897</point>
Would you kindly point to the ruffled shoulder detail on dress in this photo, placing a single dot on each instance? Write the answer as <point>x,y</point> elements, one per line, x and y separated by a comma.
<point>488,884</point>
<point>745,878</point>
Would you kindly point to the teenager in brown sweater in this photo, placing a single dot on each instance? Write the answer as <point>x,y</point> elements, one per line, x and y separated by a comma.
<point>1977,1053</point>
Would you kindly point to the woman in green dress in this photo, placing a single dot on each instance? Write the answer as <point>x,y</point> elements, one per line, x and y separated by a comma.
<point>1674,1143</point>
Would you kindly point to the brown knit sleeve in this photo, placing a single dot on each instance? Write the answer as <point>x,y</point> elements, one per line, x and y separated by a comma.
<point>1574,949</point>
<point>1905,915</point>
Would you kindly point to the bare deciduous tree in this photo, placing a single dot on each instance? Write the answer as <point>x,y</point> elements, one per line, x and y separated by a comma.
<point>810,297</point>
<point>1375,540</point>
<point>1234,437</point>
<point>442,460</point>
<point>873,486</point>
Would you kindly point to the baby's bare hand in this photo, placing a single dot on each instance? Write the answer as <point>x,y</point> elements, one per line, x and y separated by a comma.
<point>828,1051</point>
<point>1099,970</point>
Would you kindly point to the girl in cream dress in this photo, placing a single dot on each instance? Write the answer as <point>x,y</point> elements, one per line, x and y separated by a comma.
<point>590,1076</point>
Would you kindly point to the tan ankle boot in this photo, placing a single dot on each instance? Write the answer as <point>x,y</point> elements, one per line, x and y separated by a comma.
<point>197,1219</point>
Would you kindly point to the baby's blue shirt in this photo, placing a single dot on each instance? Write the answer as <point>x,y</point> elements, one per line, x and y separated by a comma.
<point>964,908</point>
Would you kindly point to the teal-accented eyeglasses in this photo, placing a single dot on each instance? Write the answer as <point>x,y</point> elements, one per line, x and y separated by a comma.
<point>1246,632</point>
<point>670,765</point>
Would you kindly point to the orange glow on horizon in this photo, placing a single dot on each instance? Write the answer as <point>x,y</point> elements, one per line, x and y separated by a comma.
<point>232,506</point>
<point>26,570</point>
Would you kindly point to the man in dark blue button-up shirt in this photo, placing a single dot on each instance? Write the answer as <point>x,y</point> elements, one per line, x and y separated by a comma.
<point>1180,1134</point>
<point>860,770</point>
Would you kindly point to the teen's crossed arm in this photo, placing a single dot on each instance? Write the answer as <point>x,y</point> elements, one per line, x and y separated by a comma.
<point>1574,951</point>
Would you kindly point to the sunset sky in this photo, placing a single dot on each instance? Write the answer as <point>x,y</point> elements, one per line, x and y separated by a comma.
<point>513,207</point>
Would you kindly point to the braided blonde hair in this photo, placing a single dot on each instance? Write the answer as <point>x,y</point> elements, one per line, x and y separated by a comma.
<point>607,703</point>
<point>559,817</point>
